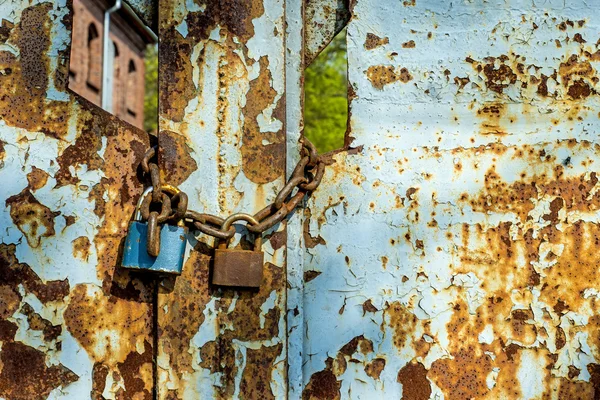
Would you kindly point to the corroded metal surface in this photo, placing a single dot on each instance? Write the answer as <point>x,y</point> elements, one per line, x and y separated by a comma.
<point>223,142</point>
<point>147,10</point>
<point>454,251</point>
<point>294,79</point>
<point>71,325</point>
<point>323,20</point>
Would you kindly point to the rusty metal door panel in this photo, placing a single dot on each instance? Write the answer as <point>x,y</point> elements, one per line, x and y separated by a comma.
<point>453,251</point>
<point>71,325</point>
<point>147,10</point>
<point>222,110</point>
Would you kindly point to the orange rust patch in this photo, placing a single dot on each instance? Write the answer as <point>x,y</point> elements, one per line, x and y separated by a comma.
<point>359,343</point>
<point>33,39</point>
<point>408,45</point>
<point>381,75</point>
<point>176,161</point>
<point>175,77</point>
<point>256,379</point>
<point>37,178</point>
<point>9,301</point>
<point>375,367</point>
<point>499,78</point>
<point>25,375</point>
<point>23,81</point>
<point>95,321</point>
<point>309,240</point>
<point>86,147</point>
<point>491,116</point>
<point>403,322</point>
<point>262,163</point>
<point>373,41</point>
<point>37,323</point>
<point>186,302</point>
<point>310,275</point>
<point>415,386</point>
<point>81,247</point>
<point>322,385</point>
<point>573,73</point>
<point>33,219</point>
<point>136,372</point>
<point>463,377</point>
<point>14,274</point>
<point>369,307</point>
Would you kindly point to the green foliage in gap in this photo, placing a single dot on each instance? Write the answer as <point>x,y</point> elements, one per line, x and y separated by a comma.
<point>326,96</point>
<point>151,85</point>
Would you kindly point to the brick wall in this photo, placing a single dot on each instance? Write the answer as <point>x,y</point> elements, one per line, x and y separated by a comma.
<point>86,61</point>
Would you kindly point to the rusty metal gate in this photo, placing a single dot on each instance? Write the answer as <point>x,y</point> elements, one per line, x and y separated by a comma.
<point>450,251</point>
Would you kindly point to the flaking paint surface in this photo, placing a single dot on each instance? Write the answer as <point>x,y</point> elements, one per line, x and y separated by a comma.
<point>147,10</point>
<point>458,244</point>
<point>72,325</point>
<point>222,110</point>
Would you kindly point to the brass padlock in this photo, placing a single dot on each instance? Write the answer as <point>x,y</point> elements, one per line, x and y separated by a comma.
<point>236,267</point>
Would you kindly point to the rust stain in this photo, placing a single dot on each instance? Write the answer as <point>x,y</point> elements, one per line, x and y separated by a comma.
<point>37,178</point>
<point>93,320</point>
<point>572,72</point>
<point>498,78</point>
<point>177,160</point>
<point>310,275</point>
<point>37,323</point>
<point>27,107</point>
<point>415,386</point>
<point>373,41</point>
<point>369,307</point>
<point>492,115</point>
<point>403,322</point>
<point>408,45</point>
<point>309,240</point>
<point>256,380</point>
<point>13,273</point>
<point>233,17</point>
<point>375,368</point>
<point>22,368</point>
<point>382,75</point>
<point>175,90</point>
<point>186,303</point>
<point>9,301</point>
<point>322,385</point>
<point>262,163</point>
<point>464,376</point>
<point>33,39</point>
<point>33,219</point>
<point>81,247</point>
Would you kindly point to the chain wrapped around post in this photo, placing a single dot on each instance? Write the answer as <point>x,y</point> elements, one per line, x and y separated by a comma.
<point>305,178</point>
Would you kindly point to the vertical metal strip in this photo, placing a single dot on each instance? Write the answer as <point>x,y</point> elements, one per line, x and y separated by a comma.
<point>222,119</point>
<point>295,240</point>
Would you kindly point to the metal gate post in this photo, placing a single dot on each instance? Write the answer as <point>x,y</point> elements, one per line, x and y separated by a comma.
<point>222,134</point>
<point>71,325</point>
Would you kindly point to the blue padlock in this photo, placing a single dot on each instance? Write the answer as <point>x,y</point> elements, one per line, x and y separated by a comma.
<point>172,245</point>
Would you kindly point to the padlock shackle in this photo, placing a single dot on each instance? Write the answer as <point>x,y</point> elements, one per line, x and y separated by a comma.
<point>240,217</point>
<point>138,207</point>
<point>170,189</point>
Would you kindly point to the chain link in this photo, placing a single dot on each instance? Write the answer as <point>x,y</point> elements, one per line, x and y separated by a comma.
<point>305,178</point>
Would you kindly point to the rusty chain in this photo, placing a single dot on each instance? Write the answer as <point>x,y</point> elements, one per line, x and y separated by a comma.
<point>305,178</point>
